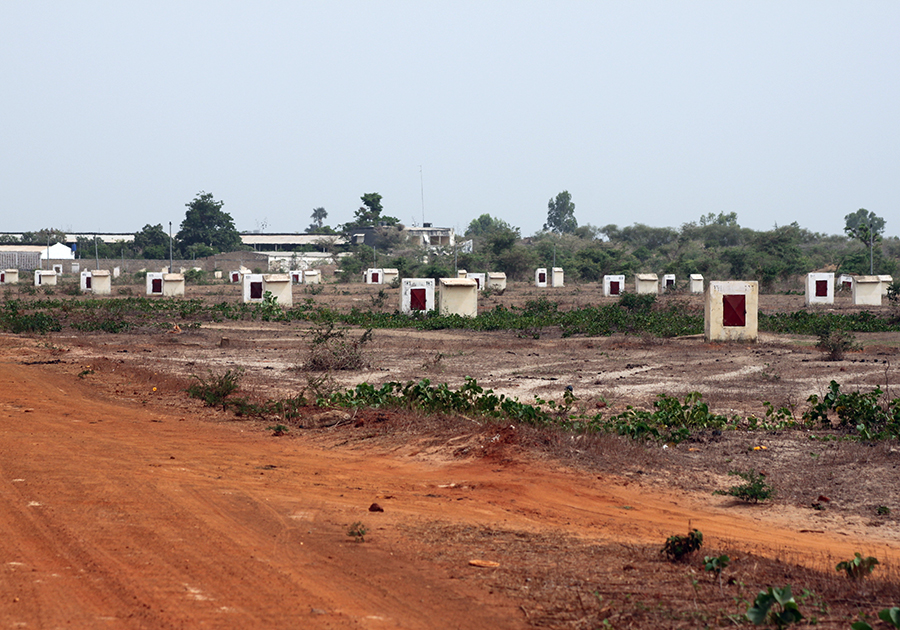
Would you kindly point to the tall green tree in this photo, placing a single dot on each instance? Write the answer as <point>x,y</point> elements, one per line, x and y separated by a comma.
<point>206,224</point>
<point>318,220</point>
<point>561,214</point>
<point>867,227</point>
<point>152,242</point>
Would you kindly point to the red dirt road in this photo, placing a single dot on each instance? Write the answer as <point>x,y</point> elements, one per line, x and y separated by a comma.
<point>117,515</point>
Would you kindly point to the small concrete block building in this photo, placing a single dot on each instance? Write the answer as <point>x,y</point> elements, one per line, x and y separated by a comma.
<point>173,284</point>
<point>540,277</point>
<point>374,276</point>
<point>819,288</point>
<point>389,275</point>
<point>613,285</point>
<point>867,291</point>
<point>416,295</point>
<point>886,281</point>
<point>479,278</point>
<point>101,282</point>
<point>462,273</point>
<point>296,277</point>
<point>459,296</point>
<point>312,276</point>
<point>84,282</point>
<point>44,277</point>
<point>154,283</point>
<point>234,277</point>
<point>845,282</point>
<point>646,283</point>
<point>496,280</point>
<point>9,276</point>
<point>279,285</point>
<point>668,282</point>
<point>557,277</point>
<point>732,311</point>
<point>696,283</point>
<point>252,284</point>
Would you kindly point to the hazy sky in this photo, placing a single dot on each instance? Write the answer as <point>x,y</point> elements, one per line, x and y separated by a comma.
<point>115,114</point>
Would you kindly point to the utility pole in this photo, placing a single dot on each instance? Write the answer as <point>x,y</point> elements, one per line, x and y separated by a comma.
<point>170,247</point>
<point>96,254</point>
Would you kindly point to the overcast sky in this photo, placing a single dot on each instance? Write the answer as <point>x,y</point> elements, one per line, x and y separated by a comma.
<point>115,114</point>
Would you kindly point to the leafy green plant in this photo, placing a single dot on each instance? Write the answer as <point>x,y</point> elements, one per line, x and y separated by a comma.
<point>715,564</point>
<point>776,606</point>
<point>858,567</point>
<point>278,430</point>
<point>754,488</point>
<point>882,510</point>
<point>678,548</point>
<point>216,389</point>
<point>358,531</point>
<point>888,615</point>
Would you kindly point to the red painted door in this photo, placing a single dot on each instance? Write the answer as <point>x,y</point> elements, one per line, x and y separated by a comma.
<point>614,287</point>
<point>417,299</point>
<point>821,288</point>
<point>156,285</point>
<point>542,278</point>
<point>375,277</point>
<point>734,310</point>
<point>87,282</point>
<point>256,290</point>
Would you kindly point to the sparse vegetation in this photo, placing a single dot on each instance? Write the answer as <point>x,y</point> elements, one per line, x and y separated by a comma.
<point>358,531</point>
<point>332,348</point>
<point>216,388</point>
<point>754,489</point>
<point>858,567</point>
<point>679,548</point>
<point>775,606</point>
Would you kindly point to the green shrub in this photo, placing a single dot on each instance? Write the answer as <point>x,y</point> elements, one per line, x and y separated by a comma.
<point>678,548</point>
<point>776,606</point>
<point>858,567</point>
<point>754,489</point>
<point>216,389</point>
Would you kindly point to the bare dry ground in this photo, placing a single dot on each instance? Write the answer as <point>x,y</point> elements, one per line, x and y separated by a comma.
<point>124,503</point>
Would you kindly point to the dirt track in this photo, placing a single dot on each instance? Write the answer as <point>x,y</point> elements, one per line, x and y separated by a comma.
<point>115,513</point>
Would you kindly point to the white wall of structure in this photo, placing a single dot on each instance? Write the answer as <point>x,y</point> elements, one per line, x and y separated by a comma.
<point>173,284</point>
<point>819,288</point>
<point>154,283</point>
<point>312,276</point>
<point>613,285</point>
<point>668,282</point>
<point>9,276</point>
<point>646,283</point>
<point>101,282</point>
<point>459,296</point>
<point>252,287</point>
<point>696,283</point>
<point>479,278</point>
<point>496,280</point>
<point>279,285</point>
<point>731,312</point>
<point>867,291</point>
<point>44,277</point>
<point>557,277</point>
<point>541,278</point>
<point>416,295</point>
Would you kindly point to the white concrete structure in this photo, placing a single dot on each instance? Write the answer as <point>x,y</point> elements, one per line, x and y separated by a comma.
<point>374,276</point>
<point>479,278</point>
<point>279,285</point>
<point>462,273</point>
<point>253,287</point>
<point>557,277</point>
<point>819,288</point>
<point>613,286</point>
<point>173,284</point>
<point>217,274</point>
<point>416,295</point>
<point>101,282</point>
<point>154,283</point>
<point>58,269</point>
<point>668,282</point>
<point>296,276</point>
<point>389,275</point>
<point>118,272</point>
<point>57,251</point>
<point>886,281</point>
<point>845,282</point>
<point>732,311</point>
<point>540,277</point>
<point>234,277</point>
<point>696,283</point>
<point>9,276</point>
<point>496,280</point>
<point>646,283</point>
<point>44,277</point>
<point>459,296</point>
<point>312,276</point>
<point>867,291</point>
<point>84,281</point>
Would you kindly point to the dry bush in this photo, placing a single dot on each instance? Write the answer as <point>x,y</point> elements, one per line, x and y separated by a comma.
<point>332,348</point>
